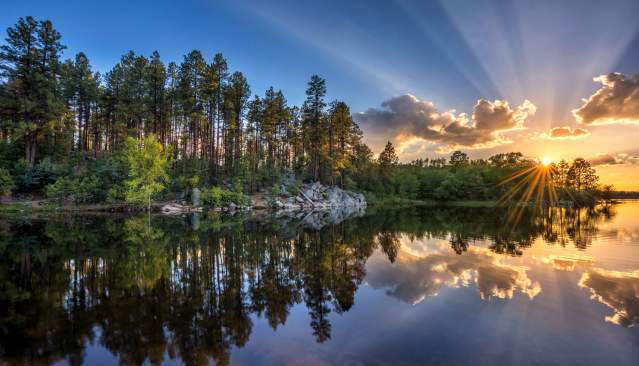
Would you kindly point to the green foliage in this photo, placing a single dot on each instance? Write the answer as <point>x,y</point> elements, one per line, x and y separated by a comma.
<point>30,178</point>
<point>9,154</point>
<point>30,72</point>
<point>222,197</point>
<point>78,190</point>
<point>6,182</point>
<point>110,169</point>
<point>147,170</point>
<point>433,180</point>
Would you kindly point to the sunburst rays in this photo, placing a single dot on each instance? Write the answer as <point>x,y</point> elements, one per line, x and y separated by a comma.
<point>530,186</point>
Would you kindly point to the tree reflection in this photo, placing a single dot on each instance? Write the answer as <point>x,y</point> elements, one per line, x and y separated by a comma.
<point>190,289</point>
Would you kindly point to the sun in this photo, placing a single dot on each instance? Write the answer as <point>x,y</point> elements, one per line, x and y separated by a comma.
<point>546,161</point>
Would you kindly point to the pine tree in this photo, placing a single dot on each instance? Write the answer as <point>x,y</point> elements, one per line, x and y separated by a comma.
<point>387,159</point>
<point>29,63</point>
<point>313,130</point>
<point>236,96</point>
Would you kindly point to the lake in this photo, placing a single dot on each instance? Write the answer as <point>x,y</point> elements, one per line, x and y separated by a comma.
<point>413,286</point>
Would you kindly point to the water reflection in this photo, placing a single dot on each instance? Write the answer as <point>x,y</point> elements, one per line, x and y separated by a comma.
<point>567,263</point>
<point>413,278</point>
<point>617,290</point>
<point>190,288</point>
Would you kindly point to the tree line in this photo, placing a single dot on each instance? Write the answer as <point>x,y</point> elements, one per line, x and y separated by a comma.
<point>460,178</point>
<point>202,110</point>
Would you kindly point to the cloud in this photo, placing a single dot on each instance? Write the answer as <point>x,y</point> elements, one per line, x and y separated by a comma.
<point>566,133</point>
<point>617,290</point>
<point>413,278</point>
<point>567,263</point>
<point>617,101</point>
<point>610,159</point>
<point>407,118</point>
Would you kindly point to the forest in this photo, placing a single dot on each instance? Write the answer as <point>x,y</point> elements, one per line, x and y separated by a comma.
<point>148,129</point>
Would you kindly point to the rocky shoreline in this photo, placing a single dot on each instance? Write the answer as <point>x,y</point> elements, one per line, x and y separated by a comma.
<point>315,196</point>
<point>288,196</point>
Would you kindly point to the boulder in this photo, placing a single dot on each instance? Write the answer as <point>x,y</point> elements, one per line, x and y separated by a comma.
<point>195,197</point>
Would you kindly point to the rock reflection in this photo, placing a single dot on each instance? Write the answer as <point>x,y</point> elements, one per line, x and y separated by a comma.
<point>190,288</point>
<point>617,290</point>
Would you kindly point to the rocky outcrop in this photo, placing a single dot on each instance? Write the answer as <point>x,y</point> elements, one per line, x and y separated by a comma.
<point>315,196</point>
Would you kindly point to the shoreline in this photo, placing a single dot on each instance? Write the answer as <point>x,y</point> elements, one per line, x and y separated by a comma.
<point>46,206</point>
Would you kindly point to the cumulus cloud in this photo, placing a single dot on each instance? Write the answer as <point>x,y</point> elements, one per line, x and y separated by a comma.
<point>617,290</point>
<point>617,101</point>
<point>566,133</point>
<point>407,118</point>
<point>413,278</point>
<point>613,159</point>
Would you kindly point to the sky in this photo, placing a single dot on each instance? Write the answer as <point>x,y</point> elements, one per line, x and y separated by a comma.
<point>552,79</point>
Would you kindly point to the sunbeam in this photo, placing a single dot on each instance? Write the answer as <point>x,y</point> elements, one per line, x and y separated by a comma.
<point>531,186</point>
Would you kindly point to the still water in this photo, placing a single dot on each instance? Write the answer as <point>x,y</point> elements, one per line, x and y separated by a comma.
<point>454,286</point>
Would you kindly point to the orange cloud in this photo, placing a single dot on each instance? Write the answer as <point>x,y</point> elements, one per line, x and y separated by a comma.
<point>406,117</point>
<point>613,159</point>
<point>617,101</point>
<point>566,133</point>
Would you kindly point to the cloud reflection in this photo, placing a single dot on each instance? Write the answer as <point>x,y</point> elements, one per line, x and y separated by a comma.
<point>617,290</point>
<point>413,278</point>
<point>567,263</point>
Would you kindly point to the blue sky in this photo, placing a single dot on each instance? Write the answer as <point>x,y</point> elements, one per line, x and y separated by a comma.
<point>367,50</point>
<point>451,53</point>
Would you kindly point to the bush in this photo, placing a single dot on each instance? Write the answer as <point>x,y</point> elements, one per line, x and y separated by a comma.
<point>6,182</point>
<point>78,190</point>
<point>37,177</point>
<point>221,197</point>
<point>116,193</point>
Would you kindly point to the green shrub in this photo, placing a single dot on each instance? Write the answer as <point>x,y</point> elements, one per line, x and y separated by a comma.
<point>294,189</point>
<point>78,190</point>
<point>37,177</point>
<point>116,193</point>
<point>221,197</point>
<point>211,196</point>
<point>6,182</point>
<point>62,188</point>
